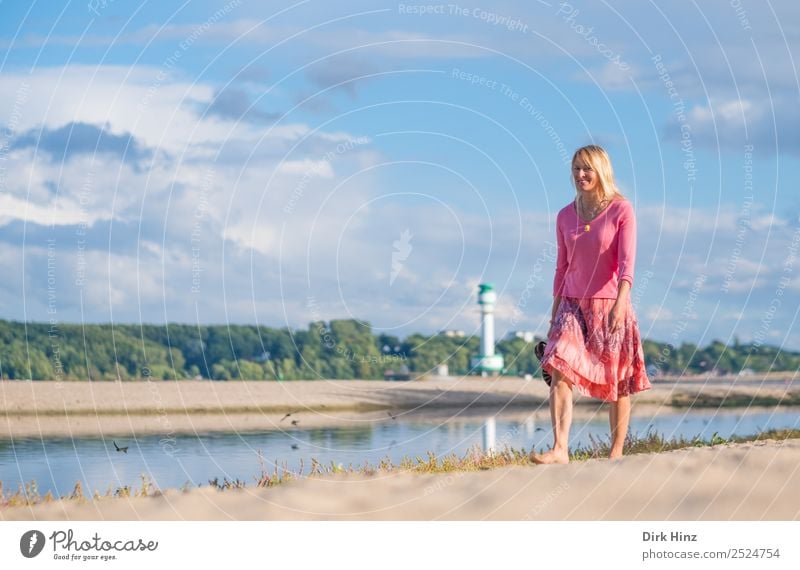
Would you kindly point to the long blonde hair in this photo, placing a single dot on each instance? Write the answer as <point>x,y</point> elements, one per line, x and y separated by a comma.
<point>598,159</point>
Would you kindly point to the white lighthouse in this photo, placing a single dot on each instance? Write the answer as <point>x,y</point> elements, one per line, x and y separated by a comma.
<point>487,362</point>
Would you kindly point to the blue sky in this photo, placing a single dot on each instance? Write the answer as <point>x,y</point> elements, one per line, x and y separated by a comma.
<point>260,162</point>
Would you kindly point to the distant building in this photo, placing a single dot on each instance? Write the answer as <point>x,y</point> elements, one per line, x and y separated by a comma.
<point>403,374</point>
<point>452,333</point>
<point>527,336</point>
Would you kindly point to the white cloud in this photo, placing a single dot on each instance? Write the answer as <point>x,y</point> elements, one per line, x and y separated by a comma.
<point>62,212</point>
<point>766,121</point>
<point>306,167</point>
<point>159,110</point>
<point>262,238</point>
<point>655,312</point>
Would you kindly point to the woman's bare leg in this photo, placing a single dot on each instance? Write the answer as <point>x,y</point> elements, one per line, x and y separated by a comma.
<point>619,416</point>
<point>561,416</point>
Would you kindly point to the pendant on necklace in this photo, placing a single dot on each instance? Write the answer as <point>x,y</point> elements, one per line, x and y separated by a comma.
<point>586,228</point>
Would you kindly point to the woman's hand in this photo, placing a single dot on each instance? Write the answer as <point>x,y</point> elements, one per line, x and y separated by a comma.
<point>615,318</point>
<point>616,315</point>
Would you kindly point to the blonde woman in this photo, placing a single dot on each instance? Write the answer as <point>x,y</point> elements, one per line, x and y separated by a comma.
<point>593,343</point>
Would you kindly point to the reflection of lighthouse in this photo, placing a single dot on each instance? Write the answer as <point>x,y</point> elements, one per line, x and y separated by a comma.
<point>487,361</point>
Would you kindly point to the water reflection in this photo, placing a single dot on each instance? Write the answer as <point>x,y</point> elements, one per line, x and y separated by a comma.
<point>57,463</point>
<point>490,435</point>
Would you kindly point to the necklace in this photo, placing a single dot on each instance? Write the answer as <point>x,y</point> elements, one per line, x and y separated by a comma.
<point>594,212</point>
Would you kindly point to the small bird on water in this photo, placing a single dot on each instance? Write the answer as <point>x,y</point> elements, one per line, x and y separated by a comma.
<point>118,448</point>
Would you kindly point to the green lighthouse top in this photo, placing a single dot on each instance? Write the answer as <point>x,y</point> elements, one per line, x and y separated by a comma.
<point>486,294</point>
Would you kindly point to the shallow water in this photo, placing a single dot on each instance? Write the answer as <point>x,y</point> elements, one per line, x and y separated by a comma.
<point>56,464</point>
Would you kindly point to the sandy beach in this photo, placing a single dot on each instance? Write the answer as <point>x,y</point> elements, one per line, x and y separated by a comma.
<point>127,409</point>
<point>753,481</point>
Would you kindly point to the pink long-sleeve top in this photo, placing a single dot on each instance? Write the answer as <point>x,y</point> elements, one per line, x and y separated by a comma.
<point>591,264</point>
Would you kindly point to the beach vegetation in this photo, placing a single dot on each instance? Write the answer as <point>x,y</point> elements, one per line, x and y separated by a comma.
<point>337,349</point>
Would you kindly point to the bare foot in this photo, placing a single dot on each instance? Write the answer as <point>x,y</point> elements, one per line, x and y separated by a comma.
<point>550,457</point>
<point>615,455</point>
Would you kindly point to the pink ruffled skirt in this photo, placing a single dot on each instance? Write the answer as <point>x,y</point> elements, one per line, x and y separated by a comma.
<point>600,364</point>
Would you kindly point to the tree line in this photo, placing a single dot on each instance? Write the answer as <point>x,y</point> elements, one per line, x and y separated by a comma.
<point>339,349</point>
